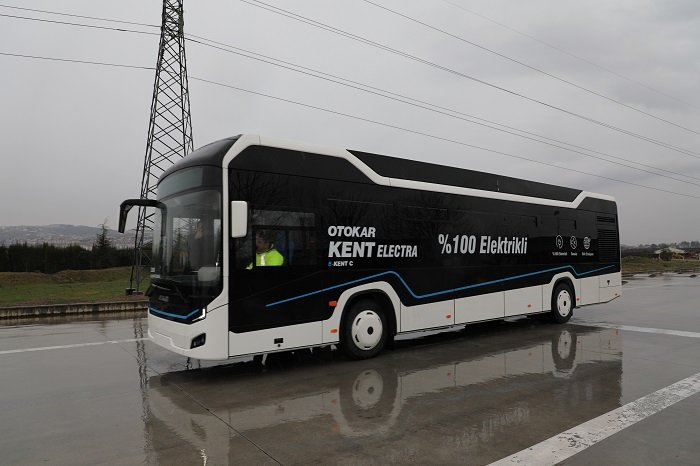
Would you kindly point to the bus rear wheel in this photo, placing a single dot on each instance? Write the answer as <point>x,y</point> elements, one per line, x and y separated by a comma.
<point>562,303</point>
<point>364,331</point>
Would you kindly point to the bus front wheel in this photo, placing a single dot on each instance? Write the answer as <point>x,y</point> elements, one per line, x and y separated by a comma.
<point>562,303</point>
<point>364,330</point>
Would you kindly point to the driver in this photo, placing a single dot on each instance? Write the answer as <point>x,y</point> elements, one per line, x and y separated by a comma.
<point>266,254</point>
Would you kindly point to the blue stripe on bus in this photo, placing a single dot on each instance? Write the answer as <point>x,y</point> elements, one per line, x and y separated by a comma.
<point>175,316</point>
<point>438,293</point>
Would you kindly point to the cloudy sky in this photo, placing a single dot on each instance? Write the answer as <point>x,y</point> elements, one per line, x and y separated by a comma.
<point>584,81</point>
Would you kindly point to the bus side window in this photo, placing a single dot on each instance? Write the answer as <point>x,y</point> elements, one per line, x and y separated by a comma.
<point>243,250</point>
<point>292,234</point>
<point>302,247</point>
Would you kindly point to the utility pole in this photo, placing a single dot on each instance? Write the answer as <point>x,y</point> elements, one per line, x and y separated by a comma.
<point>169,128</point>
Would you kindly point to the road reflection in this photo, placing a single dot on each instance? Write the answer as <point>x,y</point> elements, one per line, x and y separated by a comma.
<point>462,396</point>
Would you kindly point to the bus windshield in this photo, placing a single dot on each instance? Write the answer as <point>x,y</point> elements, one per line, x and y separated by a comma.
<point>187,237</point>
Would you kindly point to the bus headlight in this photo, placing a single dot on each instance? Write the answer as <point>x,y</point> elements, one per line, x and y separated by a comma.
<point>202,315</point>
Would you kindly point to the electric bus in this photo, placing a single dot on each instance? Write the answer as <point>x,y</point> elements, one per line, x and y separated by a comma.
<point>366,247</point>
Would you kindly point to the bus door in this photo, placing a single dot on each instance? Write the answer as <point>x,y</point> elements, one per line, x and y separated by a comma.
<point>277,258</point>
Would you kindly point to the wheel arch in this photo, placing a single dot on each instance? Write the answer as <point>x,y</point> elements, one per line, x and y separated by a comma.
<point>381,298</point>
<point>567,281</point>
<point>383,292</point>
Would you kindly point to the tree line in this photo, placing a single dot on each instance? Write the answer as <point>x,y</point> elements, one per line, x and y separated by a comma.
<point>48,258</point>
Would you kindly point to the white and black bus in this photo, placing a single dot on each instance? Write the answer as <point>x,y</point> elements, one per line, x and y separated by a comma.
<point>366,247</point>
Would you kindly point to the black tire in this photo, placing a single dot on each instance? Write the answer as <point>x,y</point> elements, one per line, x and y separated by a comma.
<point>364,330</point>
<point>562,303</point>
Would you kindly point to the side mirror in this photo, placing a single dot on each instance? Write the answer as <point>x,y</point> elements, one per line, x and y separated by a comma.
<point>128,204</point>
<point>239,219</point>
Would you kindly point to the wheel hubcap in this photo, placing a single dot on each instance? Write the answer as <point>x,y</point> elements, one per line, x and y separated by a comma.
<point>367,330</point>
<point>564,303</point>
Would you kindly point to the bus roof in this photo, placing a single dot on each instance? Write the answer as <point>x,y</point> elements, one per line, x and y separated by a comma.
<point>281,156</point>
<point>394,167</point>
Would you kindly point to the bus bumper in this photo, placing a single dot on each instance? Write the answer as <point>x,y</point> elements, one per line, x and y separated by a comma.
<point>178,337</point>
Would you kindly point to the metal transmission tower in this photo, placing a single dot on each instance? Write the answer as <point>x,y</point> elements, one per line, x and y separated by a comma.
<point>170,126</point>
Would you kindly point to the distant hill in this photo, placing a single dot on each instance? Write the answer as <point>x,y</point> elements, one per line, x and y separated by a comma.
<point>62,235</point>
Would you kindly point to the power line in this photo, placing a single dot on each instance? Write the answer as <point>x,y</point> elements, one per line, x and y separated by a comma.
<point>382,92</point>
<point>538,70</point>
<point>572,55</point>
<point>84,62</point>
<point>320,25</point>
<point>684,151</point>
<point>266,58</point>
<point>440,138</point>
<point>79,16</point>
<point>90,26</point>
<point>367,120</point>
<point>444,111</point>
<point>472,12</point>
<point>423,105</point>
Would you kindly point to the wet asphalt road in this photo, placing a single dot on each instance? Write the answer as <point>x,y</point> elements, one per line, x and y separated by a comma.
<point>97,392</point>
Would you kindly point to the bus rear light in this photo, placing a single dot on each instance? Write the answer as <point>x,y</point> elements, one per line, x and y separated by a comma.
<point>198,341</point>
<point>448,316</point>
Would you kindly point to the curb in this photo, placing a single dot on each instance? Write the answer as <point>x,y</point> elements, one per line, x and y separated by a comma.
<point>72,309</point>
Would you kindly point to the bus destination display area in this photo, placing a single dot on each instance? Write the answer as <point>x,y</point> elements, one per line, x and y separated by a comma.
<point>619,383</point>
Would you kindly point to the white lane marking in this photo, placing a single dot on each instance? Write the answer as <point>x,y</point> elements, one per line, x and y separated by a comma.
<point>77,345</point>
<point>577,439</point>
<point>631,328</point>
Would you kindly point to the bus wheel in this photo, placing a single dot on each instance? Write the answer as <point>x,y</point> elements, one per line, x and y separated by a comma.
<point>364,330</point>
<point>562,303</point>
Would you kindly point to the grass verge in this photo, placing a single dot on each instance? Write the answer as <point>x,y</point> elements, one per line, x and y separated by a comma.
<point>635,264</point>
<point>68,286</point>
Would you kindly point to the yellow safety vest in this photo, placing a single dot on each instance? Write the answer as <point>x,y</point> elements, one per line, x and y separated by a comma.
<point>269,258</point>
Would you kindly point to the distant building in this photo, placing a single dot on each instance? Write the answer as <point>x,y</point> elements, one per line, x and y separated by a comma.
<point>678,254</point>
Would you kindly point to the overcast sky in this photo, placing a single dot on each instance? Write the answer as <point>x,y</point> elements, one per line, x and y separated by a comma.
<point>74,135</point>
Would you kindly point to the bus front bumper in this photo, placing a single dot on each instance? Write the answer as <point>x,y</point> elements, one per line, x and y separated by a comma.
<point>178,337</point>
